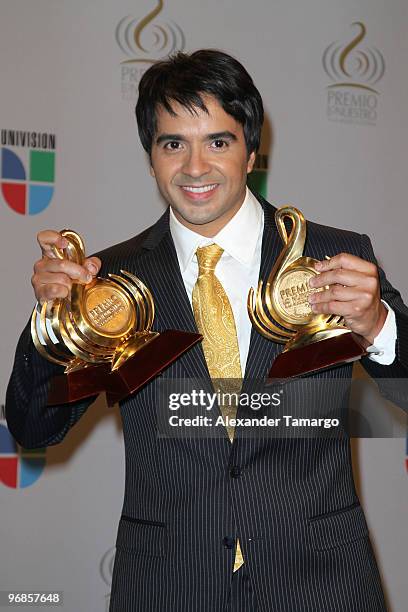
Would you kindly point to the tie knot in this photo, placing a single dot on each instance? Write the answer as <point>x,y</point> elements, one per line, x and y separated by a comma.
<point>208,257</point>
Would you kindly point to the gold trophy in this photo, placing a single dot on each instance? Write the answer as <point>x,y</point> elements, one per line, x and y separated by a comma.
<point>280,310</point>
<point>104,335</point>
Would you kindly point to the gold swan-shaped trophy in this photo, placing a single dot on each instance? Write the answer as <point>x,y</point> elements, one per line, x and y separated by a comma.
<point>106,321</point>
<point>281,312</point>
<point>100,328</point>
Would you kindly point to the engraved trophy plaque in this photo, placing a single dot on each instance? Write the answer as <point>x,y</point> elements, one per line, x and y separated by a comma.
<point>280,310</point>
<point>102,335</point>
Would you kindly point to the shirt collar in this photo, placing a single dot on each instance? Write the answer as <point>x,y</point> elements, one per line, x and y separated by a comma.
<point>247,221</point>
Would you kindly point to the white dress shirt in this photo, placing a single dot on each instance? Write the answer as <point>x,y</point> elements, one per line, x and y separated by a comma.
<point>238,268</point>
<point>238,271</point>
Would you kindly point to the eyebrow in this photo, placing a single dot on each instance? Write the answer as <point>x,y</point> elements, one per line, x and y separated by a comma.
<point>179,138</point>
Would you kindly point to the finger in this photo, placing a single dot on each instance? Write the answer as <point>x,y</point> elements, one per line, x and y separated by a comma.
<point>51,292</point>
<point>343,309</point>
<point>52,278</point>
<point>347,261</point>
<point>93,265</point>
<point>49,238</point>
<point>342,276</point>
<point>74,271</point>
<point>339,293</point>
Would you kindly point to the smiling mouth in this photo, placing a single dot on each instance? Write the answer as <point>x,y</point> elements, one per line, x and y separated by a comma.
<point>200,189</point>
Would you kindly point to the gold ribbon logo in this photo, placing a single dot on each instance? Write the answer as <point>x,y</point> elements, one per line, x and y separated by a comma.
<point>148,39</point>
<point>352,65</point>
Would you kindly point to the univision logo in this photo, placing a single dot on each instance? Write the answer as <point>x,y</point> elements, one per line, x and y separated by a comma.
<point>355,70</point>
<point>27,177</point>
<point>19,467</point>
<point>145,41</point>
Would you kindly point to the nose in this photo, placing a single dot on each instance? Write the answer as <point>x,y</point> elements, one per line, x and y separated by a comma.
<point>196,163</point>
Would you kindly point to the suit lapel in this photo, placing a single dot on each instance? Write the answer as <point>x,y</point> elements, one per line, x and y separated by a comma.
<point>261,350</point>
<point>158,266</point>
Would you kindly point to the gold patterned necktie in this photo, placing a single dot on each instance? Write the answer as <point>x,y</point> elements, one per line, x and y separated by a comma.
<point>215,321</point>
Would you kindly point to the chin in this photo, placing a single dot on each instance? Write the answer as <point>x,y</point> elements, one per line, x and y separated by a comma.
<point>197,214</point>
<point>198,219</point>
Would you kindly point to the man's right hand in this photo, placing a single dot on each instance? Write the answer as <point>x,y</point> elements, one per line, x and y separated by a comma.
<point>53,277</point>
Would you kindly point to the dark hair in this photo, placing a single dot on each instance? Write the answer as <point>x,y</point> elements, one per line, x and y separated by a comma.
<point>185,78</point>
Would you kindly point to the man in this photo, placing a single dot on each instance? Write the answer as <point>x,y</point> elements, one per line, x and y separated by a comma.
<point>230,523</point>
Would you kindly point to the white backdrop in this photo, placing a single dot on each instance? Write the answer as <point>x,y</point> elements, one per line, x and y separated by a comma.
<point>62,74</point>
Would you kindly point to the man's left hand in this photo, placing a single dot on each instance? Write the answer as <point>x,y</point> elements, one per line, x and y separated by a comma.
<point>353,293</point>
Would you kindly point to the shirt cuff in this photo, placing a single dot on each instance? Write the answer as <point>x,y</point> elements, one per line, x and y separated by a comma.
<point>50,331</point>
<point>383,348</point>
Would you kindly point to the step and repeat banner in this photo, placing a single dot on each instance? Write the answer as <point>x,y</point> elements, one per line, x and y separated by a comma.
<point>333,77</point>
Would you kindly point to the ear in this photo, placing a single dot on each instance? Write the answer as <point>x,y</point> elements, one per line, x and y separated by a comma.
<point>251,161</point>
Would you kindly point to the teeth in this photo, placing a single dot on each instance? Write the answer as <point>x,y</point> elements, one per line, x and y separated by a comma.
<point>199,189</point>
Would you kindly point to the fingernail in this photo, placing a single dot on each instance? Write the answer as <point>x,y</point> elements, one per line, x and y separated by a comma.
<point>64,243</point>
<point>88,278</point>
<point>318,265</point>
<point>311,298</point>
<point>92,268</point>
<point>311,282</point>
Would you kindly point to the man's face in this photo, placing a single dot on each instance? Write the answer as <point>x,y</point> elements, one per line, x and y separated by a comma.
<point>200,163</point>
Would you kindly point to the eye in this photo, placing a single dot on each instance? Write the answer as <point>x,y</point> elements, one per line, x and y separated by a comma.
<point>172,145</point>
<point>219,144</point>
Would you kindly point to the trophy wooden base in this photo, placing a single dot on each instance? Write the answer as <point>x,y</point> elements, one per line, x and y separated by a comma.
<point>319,356</point>
<point>142,367</point>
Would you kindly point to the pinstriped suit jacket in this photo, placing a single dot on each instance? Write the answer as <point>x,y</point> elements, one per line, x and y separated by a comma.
<point>292,502</point>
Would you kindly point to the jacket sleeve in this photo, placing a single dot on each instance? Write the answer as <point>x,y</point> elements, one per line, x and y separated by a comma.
<point>32,423</point>
<point>392,379</point>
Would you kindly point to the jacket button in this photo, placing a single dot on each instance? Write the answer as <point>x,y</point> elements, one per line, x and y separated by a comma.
<point>235,471</point>
<point>228,542</point>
